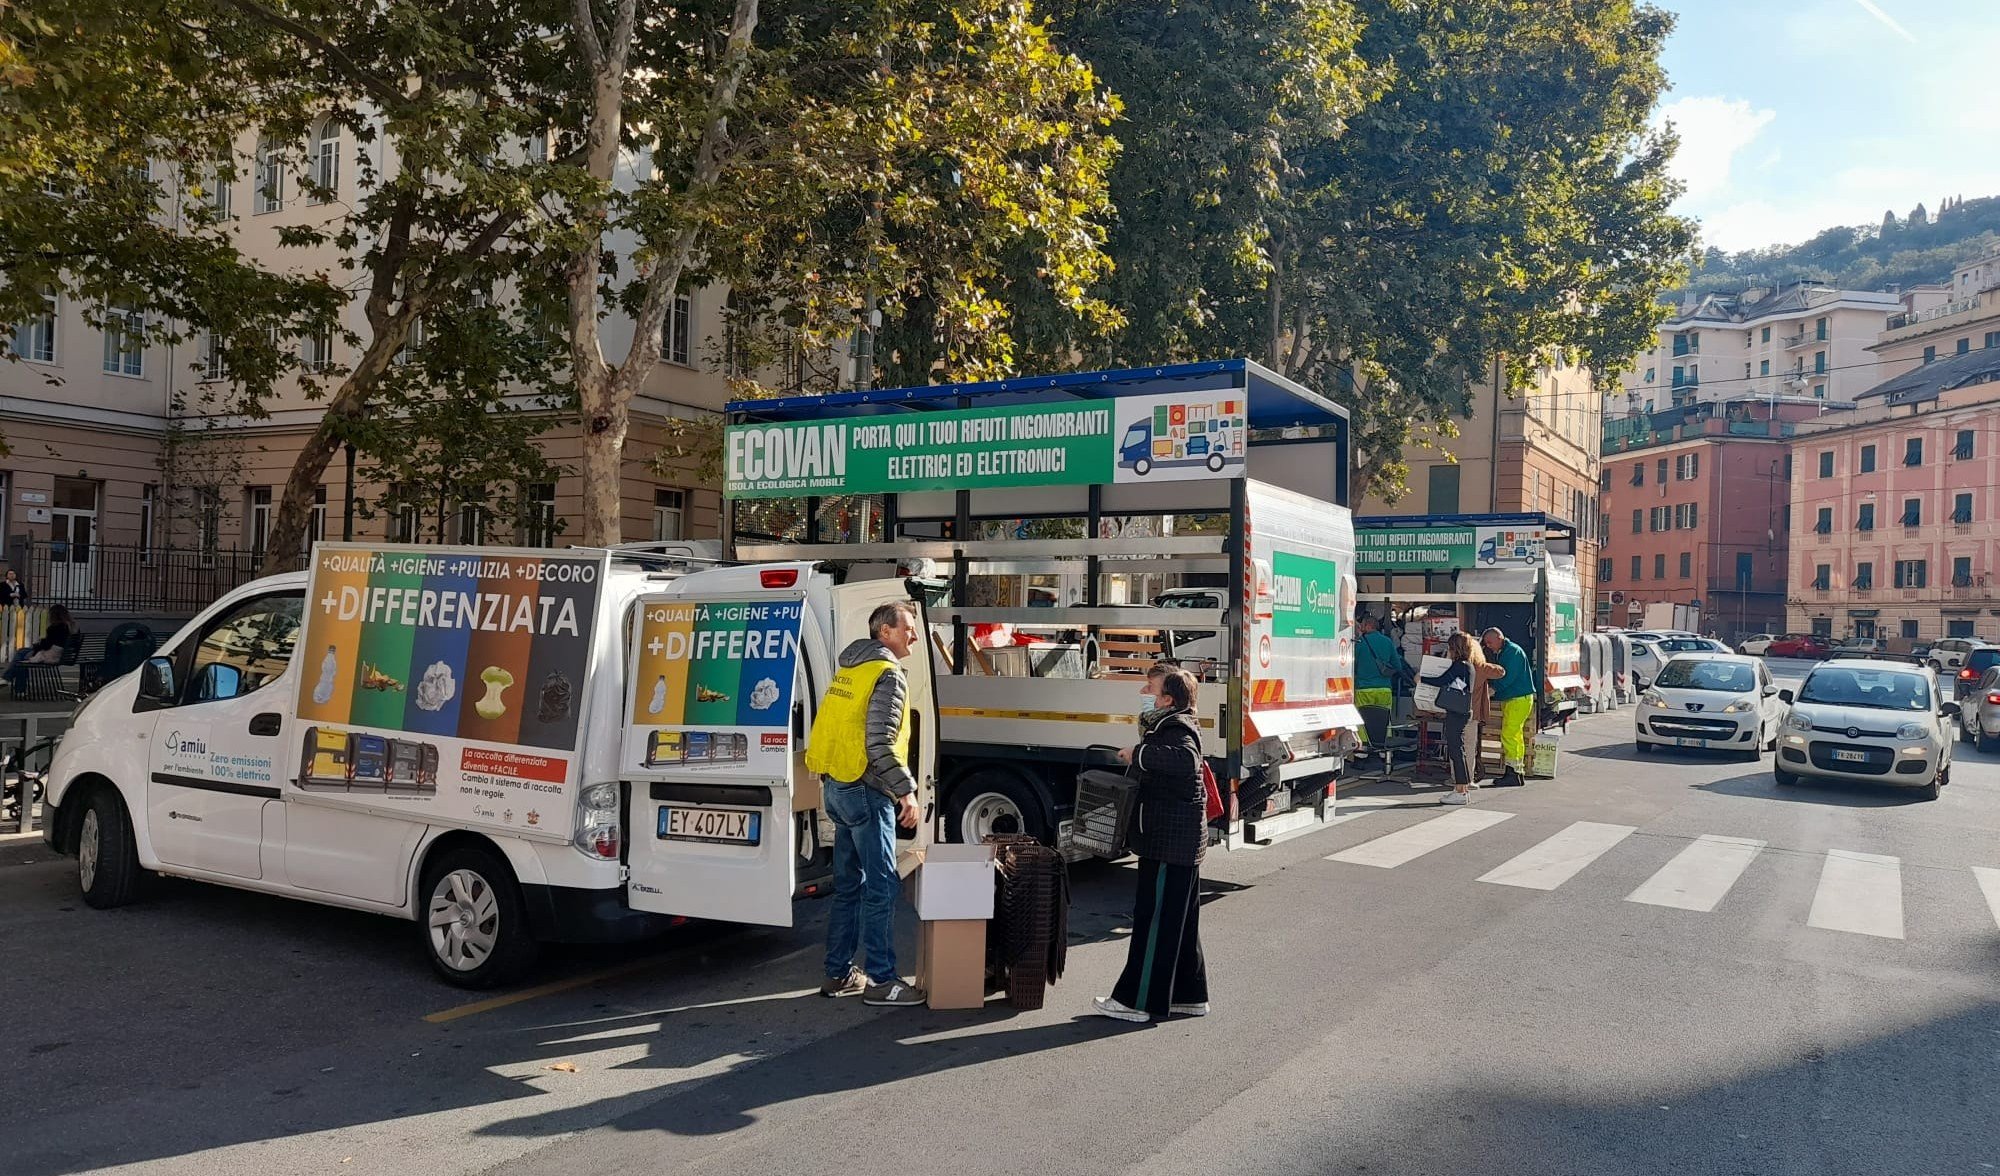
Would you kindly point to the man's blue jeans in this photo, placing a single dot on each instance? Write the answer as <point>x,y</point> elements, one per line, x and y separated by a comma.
<point>864,881</point>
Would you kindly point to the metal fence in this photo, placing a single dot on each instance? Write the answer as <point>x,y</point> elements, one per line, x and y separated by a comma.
<point>129,580</point>
<point>24,760</point>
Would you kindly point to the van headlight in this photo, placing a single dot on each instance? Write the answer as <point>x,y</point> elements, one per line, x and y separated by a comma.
<point>600,829</point>
<point>1912,731</point>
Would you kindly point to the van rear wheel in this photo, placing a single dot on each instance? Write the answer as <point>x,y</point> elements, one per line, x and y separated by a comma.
<point>107,859</point>
<point>475,928</point>
<point>995,802</point>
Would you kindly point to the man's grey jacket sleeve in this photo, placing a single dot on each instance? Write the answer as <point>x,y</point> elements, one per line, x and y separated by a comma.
<point>885,772</point>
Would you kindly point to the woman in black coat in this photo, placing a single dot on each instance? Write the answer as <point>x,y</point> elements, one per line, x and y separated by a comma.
<point>1164,972</point>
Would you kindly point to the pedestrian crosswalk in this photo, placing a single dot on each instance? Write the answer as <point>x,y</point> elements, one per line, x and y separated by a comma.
<point>1856,893</point>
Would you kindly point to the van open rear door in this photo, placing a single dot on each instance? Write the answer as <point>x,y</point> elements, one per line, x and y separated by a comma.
<point>852,605</point>
<point>707,750</point>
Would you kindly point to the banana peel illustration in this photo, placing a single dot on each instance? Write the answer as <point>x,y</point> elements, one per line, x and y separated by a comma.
<point>704,694</point>
<point>372,678</point>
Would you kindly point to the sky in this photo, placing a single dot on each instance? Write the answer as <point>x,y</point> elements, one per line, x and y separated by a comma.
<point>1796,115</point>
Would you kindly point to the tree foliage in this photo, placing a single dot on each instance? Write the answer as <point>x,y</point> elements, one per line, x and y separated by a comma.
<point>1902,251</point>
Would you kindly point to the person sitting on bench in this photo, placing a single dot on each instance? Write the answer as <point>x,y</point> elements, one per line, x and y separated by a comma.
<point>46,652</point>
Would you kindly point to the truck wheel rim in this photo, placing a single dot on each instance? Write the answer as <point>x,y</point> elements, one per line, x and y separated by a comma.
<point>990,813</point>
<point>86,851</point>
<point>464,920</point>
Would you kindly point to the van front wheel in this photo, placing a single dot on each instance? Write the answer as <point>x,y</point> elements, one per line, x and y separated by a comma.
<point>474,927</point>
<point>107,859</point>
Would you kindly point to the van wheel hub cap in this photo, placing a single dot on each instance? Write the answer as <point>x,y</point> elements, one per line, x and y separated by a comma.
<point>464,920</point>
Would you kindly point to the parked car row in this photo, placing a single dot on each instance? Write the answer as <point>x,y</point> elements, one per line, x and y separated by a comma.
<point>1880,717</point>
<point>1950,653</point>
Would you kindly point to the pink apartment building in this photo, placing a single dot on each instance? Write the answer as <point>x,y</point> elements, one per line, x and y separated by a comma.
<point>1895,509</point>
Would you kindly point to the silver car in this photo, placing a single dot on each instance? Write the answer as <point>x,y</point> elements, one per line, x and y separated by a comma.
<point>1857,719</point>
<point>1979,712</point>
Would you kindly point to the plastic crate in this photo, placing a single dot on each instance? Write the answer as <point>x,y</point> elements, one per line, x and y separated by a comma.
<point>1105,802</point>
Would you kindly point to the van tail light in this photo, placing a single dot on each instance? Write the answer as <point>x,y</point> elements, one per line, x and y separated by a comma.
<point>600,829</point>
<point>778,577</point>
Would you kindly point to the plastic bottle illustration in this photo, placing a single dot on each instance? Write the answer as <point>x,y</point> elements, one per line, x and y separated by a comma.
<point>659,702</point>
<point>329,668</point>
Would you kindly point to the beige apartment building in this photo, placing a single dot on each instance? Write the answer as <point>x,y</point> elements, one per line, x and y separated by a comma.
<point>121,476</point>
<point>1953,319</point>
<point>1803,339</point>
<point>1532,452</point>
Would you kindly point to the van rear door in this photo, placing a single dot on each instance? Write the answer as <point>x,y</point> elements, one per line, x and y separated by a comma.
<point>852,605</point>
<point>707,752</point>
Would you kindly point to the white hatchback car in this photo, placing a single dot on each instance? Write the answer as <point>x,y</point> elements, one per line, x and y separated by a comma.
<point>1858,719</point>
<point>1718,701</point>
<point>1757,644</point>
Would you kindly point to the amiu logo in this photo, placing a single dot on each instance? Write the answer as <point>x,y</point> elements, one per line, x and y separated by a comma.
<point>188,746</point>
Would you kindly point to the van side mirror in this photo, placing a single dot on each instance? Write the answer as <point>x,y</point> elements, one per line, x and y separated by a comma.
<point>156,680</point>
<point>1786,696</point>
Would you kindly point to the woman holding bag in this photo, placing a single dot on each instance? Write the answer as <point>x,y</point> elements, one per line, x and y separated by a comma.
<point>1461,695</point>
<point>1164,971</point>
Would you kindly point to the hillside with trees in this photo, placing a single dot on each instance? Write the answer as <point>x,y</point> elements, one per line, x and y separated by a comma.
<point>1920,246</point>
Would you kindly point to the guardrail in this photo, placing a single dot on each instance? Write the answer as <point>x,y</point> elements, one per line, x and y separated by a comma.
<point>26,744</point>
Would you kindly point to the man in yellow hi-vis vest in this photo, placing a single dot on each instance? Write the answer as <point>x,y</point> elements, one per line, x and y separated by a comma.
<point>860,746</point>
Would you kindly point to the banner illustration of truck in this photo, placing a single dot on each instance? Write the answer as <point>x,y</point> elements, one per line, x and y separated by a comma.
<point>712,687</point>
<point>452,677</point>
<point>1188,435</point>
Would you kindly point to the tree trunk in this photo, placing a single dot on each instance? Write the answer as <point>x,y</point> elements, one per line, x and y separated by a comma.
<point>606,419</point>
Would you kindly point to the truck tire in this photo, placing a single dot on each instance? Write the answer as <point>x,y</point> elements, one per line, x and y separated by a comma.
<point>107,859</point>
<point>996,802</point>
<point>473,925</point>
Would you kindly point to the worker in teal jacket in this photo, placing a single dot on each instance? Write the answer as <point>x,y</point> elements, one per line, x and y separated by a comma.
<point>1514,691</point>
<point>1377,665</point>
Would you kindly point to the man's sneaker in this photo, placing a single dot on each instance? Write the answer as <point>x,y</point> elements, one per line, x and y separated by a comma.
<point>894,995</point>
<point>1456,798</point>
<point>1510,779</point>
<point>1189,1010</point>
<point>1119,1011</point>
<point>852,984</point>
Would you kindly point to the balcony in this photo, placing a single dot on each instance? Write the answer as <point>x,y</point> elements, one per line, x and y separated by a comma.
<point>1800,340</point>
<point>1898,321</point>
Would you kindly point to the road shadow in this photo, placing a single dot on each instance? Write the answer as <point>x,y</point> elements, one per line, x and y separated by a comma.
<point>1834,793</point>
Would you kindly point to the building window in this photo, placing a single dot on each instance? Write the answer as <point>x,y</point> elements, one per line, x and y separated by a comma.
<point>1930,355</point>
<point>325,164</point>
<point>316,349</point>
<point>1444,480</point>
<point>1822,577</point>
<point>1866,520</point>
<point>1603,527</point>
<point>674,333</point>
<point>258,520</point>
<point>1660,471</point>
<point>406,521</point>
<point>1638,473</point>
<point>214,364</point>
<point>1766,336</point>
<point>1638,520</point>
<point>1825,524</point>
<point>1819,329</point>
<point>1826,463</point>
<point>35,338</point>
<point>270,177</point>
<point>1650,373</point>
<point>538,514</point>
<point>1819,363</point>
<point>472,521</point>
<point>1864,575</point>
<point>1635,569</point>
<point>124,342</point>
<point>220,195</point>
<point>1604,478</point>
<point>1961,509</point>
<point>1819,391</point>
<point>1964,345</point>
<point>1687,467</point>
<point>1962,450</point>
<point>1603,572</point>
<point>1867,459</point>
<point>207,523</point>
<point>1912,573</point>
<point>669,514</point>
<point>1993,338</point>
<point>1961,571</point>
<point>1909,629</point>
<point>1680,376</point>
<point>316,524</point>
<point>1958,628</point>
<point>1687,565</point>
<point>1913,512</point>
<point>149,504</point>
<point>1764,368</point>
<point>1659,567</point>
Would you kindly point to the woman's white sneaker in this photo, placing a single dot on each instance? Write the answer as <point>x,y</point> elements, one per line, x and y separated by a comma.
<point>1455,798</point>
<point>1119,1011</point>
<point>1189,1010</point>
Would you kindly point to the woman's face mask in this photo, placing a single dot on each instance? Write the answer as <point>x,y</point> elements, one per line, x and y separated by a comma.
<point>1148,701</point>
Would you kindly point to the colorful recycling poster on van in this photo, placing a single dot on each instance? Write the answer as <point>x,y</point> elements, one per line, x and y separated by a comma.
<point>1125,439</point>
<point>711,687</point>
<point>450,679</point>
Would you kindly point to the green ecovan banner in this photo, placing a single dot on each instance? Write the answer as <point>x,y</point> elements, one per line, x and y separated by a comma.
<point>1129,439</point>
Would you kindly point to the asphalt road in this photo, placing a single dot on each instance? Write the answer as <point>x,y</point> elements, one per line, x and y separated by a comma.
<point>1658,965</point>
